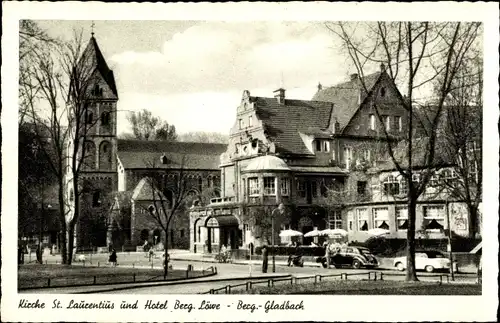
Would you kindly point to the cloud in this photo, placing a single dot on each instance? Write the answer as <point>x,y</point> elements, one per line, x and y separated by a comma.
<point>195,79</point>
<point>218,56</point>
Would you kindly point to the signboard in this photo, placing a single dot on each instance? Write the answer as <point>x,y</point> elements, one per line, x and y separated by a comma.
<point>459,219</point>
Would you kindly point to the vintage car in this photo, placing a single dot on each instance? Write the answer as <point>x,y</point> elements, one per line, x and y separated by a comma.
<point>354,257</point>
<point>428,260</point>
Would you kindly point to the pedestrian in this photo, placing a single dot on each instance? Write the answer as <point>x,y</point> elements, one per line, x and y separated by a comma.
<point>264,259</point>
<point>113,258</point>
<point>151,254</point>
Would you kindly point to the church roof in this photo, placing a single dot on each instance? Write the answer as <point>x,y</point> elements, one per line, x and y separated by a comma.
<point>93,55</point>
<point>188,155</point>
<point>267,162</point>
<point>283,122</point>
<point>346,97</point>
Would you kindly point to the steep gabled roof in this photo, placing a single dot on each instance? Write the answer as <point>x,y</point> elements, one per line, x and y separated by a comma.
<point>93,55</point>
<point>346,97</point>
<point>187,155</point>
<point>284,122</point>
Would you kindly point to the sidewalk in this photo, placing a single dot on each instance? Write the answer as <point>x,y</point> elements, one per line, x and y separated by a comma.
<point>116,287</point>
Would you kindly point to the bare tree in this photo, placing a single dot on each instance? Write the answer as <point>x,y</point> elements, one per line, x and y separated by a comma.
<point>57,79</point>
<point>462,140</point>
<point>168,202</point>
<point>416,55</point>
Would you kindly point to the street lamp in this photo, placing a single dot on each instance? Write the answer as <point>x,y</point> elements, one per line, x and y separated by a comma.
<point>281,210</point>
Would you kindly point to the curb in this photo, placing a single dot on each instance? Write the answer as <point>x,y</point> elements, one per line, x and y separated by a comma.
<point>191,281</point>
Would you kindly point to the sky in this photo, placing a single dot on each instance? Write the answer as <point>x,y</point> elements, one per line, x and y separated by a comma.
<point>192,73</point>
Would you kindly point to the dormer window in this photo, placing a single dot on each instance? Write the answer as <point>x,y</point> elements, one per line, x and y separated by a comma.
<point>322,145</point>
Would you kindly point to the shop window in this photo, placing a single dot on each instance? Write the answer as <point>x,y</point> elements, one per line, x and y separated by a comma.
<point>402,218</point>
<point>285,186</point>
<point>362,216</point>
<point>253,186</point>
<point>270,185</point>
<point>381,218</point>
<point>434,218</point>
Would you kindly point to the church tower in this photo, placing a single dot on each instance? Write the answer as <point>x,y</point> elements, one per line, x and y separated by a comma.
<point>99,176</point>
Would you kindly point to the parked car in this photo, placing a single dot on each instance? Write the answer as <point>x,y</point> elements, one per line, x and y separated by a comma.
<point>428,260</point>
<point>355,257</point>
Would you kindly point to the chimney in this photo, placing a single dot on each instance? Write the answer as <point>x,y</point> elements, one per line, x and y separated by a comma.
<point>320,87</point>
<point>354,76</point>
<point>280,95</point>
<point>382,67</point>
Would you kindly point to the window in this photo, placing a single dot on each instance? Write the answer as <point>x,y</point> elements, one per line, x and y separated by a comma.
<point>241,123</point>
<point>399,123</point>
<point>318,145</point>
<point>347,156</point>
<point>367,155</point>
<point>382,92</point>
<point>402,218</point>
<point>403,185</point>
<point>434,181</point>
<point>237,148</point>
<point>326,146</point>
<point>362,216</point>
<point>350,221</point>
<point>96,199</point>
<point>285,186</point>
<point>314,189</point>
<point>449,176</point>
<point>391,186</point>
<point>105,118</point>
<point>335,220</point>
<point>381,218</point>
<point>301,188</point>
<point>434,218</point>
<point>387,122</point>
<point>333,154</point>
<point>90,118</point>
<point>270,185</point>
<point>182,233</point>
<point>250,121</point>
<point>372,121</point>
<point>362,187</point>
<point>253,186</point>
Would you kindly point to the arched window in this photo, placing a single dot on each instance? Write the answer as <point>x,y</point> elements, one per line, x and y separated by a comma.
<point>157,236</point>
<point>105,155</point>
<point>105,118</point>
<point>89,155</point>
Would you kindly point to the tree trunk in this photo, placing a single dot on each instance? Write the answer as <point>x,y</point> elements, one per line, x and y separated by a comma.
<point>165,258</point>
<point>71,241</point>
<point>411,274</point>
<point>62,223</point>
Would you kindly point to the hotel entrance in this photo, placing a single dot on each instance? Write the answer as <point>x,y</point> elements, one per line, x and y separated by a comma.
<point>222,230</point>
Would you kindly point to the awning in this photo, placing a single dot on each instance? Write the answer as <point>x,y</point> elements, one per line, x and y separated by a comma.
<point>222,221</point>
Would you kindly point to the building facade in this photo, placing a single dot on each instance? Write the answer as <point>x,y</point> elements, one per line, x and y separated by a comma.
<point>118,176</point>
<point>298,152</point>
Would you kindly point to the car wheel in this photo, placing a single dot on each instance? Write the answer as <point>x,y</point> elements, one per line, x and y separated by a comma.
<point>324,264</point>
<point>400,266</point>
<point>356,264</point>
<point>429,269</point>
